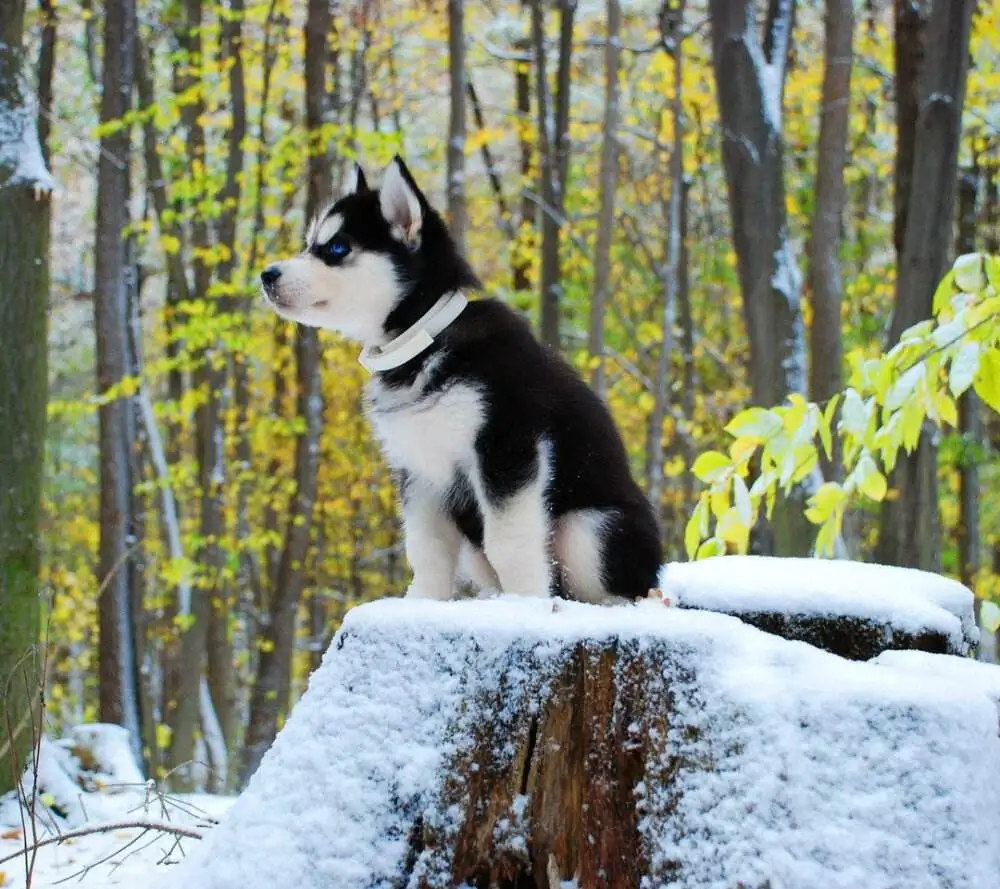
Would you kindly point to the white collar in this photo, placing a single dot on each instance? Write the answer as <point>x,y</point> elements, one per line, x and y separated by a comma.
<point>416,339</point>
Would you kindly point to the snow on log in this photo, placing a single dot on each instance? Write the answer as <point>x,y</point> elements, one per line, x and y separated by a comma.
<point>526,743</point>
<point>849,608</point>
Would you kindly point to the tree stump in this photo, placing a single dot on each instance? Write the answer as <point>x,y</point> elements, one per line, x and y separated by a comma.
<point>848,608</point>
<point>526,743</point>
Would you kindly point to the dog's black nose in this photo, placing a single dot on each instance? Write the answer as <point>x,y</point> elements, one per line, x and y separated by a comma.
<point>270,275</point>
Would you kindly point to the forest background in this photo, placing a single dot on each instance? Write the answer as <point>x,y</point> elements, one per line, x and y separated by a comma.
<point>704,206</point>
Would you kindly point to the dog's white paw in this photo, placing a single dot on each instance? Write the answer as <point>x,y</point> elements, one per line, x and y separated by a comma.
<point>422,591</point>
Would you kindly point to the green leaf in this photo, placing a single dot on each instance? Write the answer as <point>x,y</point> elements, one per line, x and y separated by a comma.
<point>826,539</point>
<point>993,272</point>
<point>710,466</point>
<point>854,414</point>
<point>733,530</point>
<point>755,422</point>
<point>942,296</point>
<point>714,546</point>
<point>692,533</point>
<point>988,379</point>
<point>870,481</point>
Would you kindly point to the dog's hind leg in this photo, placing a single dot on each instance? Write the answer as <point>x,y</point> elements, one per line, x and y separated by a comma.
<point>474,567</point>
<point>579,548</point>
<point>516,522</point>
<point>432,544</point>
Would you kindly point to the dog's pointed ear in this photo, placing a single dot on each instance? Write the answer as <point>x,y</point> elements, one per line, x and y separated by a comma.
<point>356,182</point>
<point>402,203</point>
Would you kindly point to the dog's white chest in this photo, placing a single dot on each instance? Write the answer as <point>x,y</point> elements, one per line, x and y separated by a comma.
<point>432,437</point>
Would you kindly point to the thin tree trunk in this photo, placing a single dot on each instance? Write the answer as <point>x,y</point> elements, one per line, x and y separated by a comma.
<point>669,278</point>
<point>46,73</point>
<point>970,426</point>
<point>750,84</point>
<point>825,285</point>
<point>609,186</point>
<point>25,186</point>
<point>458,217</point>
<point>932,51</point>
<point>270,698</point>
<point>208,441</point>
<point>492,170</point>
<point>522,80</point>
<point>119,699</point>
<point>221,667</point>
<point>553,138</point>
<point>687,349</point>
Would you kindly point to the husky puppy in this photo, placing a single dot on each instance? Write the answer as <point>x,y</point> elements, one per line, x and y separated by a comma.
<point>510,467</point>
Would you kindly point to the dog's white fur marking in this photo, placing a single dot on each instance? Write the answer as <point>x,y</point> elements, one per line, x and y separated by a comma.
<point>517,532</point>
<point>432,544</point>
<point>474,567</point>
<point>432,438</point>
<point>328,228</point>
<point>578,545</point>
<point>353,298</point>
<point>400,205</point>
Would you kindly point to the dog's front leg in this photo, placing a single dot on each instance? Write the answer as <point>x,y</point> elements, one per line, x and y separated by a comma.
<point>516,522</point>
<point>432,544</point>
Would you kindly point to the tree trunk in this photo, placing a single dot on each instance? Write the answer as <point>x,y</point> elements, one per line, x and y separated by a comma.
<point>119,699</point>
<point>932,52</point>
<point>210,377</point>
<point>270,698</point>
<point>825,285</point>
<point>669,278</point>
<point>25,186</point>
<point>609,185</point>
<point>970,426</point>
<point>522,89</point>
<point>553,139</point>
<point>750,85</point>
<point>458,218</point>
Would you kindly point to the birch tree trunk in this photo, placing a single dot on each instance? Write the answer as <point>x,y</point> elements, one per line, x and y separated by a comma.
<point>119,698</point>
<point>609,185</point>
<point>932,52</point>
<point>457,213</point>
<point>25,185</point>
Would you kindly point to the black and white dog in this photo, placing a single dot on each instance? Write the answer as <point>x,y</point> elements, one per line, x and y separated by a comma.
<point>512,473</point>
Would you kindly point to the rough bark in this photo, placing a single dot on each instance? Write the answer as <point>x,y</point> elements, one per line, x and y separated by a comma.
<point>553,147</point>
<point>825,285</point>
<point>271,692</point>
<point>750,84</point>
<point>24,257</point>
<point>119,699</point>
<point>970,425</point>
<point>932,50</point>
<point>458,217</point>
<point>608,188</point>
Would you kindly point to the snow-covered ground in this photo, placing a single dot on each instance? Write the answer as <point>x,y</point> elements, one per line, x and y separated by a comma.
<point>120,857</point>
<point>89,791</point>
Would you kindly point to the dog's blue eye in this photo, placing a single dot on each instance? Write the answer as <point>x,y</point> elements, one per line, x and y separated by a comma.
<point>336,248</point>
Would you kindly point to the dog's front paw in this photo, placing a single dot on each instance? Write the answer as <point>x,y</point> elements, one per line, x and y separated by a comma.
<point>423,591</point>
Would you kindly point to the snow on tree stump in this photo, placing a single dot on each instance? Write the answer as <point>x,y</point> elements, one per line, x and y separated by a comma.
<point>526,743</point>
<point>848,608</point>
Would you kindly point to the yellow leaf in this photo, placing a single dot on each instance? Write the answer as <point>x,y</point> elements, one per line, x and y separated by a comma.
<point>710,466</point>
<point>754,423</point>
<point>988,379</point>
